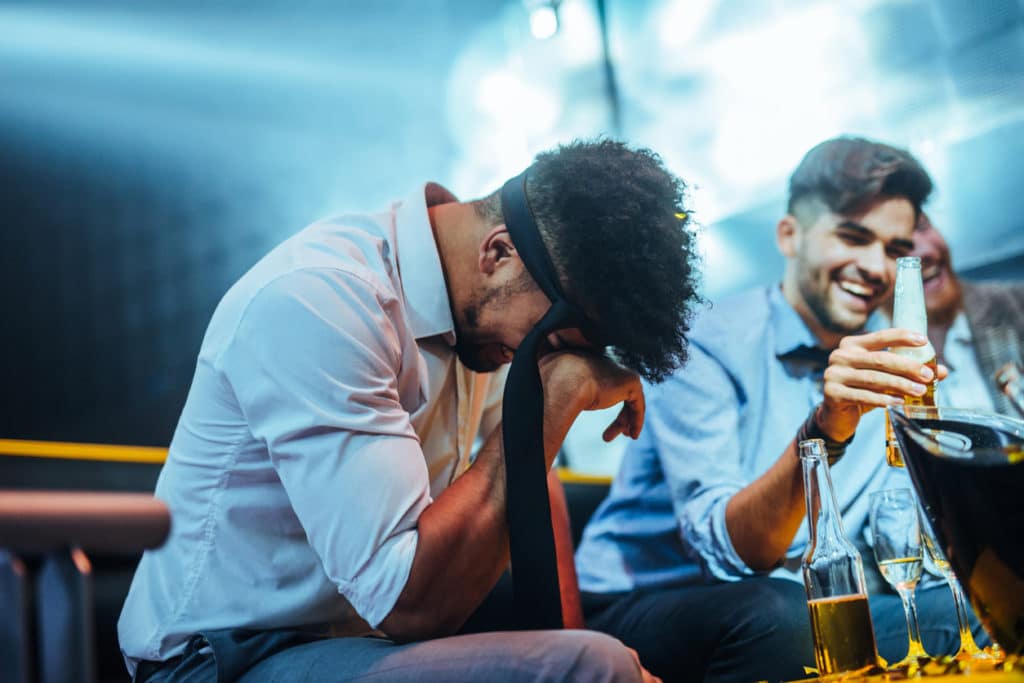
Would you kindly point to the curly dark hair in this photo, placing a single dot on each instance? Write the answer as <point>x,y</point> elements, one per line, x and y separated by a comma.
<point>847,174</point>
<point>614,224</point>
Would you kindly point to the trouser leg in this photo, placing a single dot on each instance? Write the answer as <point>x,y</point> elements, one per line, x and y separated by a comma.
<point>512,657</point>
<point>750,630</point>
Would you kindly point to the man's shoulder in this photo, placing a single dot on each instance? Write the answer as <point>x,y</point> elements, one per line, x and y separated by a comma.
<point>323,266</point>
<point>740,316</point>
<point>993,288</point>
<point>353,247</point>
<point>998,302</point>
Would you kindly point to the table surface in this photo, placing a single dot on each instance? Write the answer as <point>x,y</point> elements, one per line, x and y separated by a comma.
<point>938,672</point>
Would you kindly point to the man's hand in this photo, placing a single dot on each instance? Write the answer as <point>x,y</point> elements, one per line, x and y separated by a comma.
<point>579,380</point>
<point>863,375</point>
<point>645,675</point>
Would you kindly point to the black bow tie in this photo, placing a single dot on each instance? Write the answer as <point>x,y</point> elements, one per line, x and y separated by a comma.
<point>813,356</point>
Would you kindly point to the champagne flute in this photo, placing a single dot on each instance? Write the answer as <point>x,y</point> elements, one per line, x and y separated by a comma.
<point>969,649</point>
<point>897,546</point>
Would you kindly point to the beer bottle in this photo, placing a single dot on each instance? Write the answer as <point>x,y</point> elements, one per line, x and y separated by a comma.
<point>908,312</point>
<point>837,598</point>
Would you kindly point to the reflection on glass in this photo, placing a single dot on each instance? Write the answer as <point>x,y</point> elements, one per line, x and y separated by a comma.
<point>969,649</point>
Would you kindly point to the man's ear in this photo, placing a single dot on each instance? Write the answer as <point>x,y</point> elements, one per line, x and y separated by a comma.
<point>787,235</point>
<point>495,247</point>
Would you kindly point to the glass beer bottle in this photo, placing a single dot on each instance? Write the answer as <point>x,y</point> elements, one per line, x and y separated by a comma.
<point>908,312</point>
<point>837,598</point>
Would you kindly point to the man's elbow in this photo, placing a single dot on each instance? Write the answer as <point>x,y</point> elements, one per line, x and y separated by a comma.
<point>762,563</point>
<point>405,625</point>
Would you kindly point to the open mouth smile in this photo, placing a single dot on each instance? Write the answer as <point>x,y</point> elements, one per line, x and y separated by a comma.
<point>858,289</point>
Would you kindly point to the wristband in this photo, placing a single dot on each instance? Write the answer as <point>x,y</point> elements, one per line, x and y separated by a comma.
<point>810,429</point>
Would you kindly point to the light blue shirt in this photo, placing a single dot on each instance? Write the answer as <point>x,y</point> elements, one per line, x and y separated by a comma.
<point>328,409</point>
<point>710,430</point>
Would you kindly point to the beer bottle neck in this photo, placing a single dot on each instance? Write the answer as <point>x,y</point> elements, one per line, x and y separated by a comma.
<point>825,523</point>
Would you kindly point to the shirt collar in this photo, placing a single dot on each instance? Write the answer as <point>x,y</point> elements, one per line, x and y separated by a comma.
<point>960,330</point>
<point>789,330</point>
<point>419,265</point>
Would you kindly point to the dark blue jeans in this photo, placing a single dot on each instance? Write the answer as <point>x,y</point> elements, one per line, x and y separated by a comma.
<point>751,630</point>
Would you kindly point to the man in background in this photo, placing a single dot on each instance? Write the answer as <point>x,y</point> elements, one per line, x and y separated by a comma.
<point>694,557</point>
<point>974,327</point>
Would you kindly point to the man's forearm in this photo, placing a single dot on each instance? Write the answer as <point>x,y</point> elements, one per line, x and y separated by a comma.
<point>461,552</point>
<point>463,537</point>
<point>763,517</point>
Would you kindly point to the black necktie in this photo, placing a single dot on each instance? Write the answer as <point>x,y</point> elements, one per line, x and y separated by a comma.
<point>535,587</point>
<point>535,590</point>
<point>814,357</point>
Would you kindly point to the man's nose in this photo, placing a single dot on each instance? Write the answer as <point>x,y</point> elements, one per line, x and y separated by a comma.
<point>874,263</point>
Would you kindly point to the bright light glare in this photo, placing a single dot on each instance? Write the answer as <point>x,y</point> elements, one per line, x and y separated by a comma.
<point>510,101</point>
<point>543,22</point>
<point>677,22</point>
<point>774,102</point>
<point>724,264</point>
<point>579,33</point>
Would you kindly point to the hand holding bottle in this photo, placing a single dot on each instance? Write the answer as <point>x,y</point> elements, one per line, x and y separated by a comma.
<point>863,373</point>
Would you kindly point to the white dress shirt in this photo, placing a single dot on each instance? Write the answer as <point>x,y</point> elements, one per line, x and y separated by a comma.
<point>327,410</point>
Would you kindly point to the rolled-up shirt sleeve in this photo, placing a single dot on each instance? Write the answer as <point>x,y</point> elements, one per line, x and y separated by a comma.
<point>314,364</point>
<point>694,418</point>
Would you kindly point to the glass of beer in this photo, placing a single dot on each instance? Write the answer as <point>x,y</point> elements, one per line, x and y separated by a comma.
<point>897,544</point>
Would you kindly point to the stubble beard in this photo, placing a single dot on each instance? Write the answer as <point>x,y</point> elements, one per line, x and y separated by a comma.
<point>468,347</point>
<point>830,313</point>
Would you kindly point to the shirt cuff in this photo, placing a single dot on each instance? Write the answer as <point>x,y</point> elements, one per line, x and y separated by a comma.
<point>715,547</point>
<point>375,591</point>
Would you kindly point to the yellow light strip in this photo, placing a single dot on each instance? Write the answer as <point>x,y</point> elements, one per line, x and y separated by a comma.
<point>569,476</point>
<point>83,451</point>
<point>156,456</point>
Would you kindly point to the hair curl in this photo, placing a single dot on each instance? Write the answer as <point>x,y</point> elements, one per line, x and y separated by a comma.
<point>613,221</point>
<point>848,174</point>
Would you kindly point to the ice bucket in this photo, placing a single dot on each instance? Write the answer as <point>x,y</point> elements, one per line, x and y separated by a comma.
<point>968,469</point>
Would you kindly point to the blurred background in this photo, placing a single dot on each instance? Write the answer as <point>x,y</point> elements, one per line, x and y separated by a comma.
<point>152,151</point>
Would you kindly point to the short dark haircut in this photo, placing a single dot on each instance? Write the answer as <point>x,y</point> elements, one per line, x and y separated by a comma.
<point>614,223</point>
<point>847,175</point>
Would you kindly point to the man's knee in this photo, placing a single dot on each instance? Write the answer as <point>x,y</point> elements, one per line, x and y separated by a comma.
<point>593,656</point>
<point>779,608</point>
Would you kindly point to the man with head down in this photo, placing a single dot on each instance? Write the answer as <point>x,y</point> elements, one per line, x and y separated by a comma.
<point>332,518</point>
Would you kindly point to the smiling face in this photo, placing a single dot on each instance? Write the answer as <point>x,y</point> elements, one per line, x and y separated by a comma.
<point>941,286</point>
<point>840,268</point>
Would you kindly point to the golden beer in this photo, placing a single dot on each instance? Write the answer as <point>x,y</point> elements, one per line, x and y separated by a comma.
<point>892,449</point>
<point>844,639</point>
